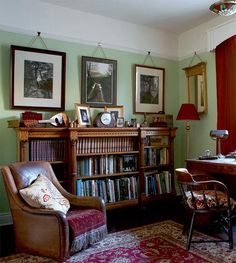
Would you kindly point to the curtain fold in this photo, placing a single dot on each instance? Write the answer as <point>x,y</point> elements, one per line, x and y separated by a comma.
<point>226,91</point>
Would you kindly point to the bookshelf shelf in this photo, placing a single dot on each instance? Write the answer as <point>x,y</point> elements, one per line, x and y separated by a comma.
<point>116,164</point>
<point>110,153</point>
<point>101,176</point>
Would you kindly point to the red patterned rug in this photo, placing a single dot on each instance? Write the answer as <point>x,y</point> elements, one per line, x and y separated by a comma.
<point>161,242</point>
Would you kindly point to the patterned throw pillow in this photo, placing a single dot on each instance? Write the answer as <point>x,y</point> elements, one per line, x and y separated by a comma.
<point>43,194</point>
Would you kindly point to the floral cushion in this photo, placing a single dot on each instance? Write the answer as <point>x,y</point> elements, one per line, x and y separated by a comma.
<point>43,194</point>
<point>210,196</point>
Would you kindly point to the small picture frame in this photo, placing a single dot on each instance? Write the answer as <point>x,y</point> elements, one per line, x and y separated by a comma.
<point>83,115</point>
<point>116,111</point>
<point>120,122</point>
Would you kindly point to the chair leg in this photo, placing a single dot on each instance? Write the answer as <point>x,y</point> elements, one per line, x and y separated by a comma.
<point>190,232</point>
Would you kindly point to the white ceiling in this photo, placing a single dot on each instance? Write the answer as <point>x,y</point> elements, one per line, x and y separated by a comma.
<point>176,16</point>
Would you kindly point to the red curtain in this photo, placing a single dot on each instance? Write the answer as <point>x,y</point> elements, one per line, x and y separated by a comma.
<point>226,92</point>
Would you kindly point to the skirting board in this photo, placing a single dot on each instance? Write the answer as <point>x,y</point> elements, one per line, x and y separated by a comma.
<point>5,219</point>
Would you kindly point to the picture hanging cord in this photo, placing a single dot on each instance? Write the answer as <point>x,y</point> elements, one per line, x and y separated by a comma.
<point>195,55</point>
<point>35,38</point>
<point>99,47</point>
<point>148,56</point>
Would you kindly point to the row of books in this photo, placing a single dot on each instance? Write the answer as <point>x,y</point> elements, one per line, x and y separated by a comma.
<point>157,183</point>
<point>105,144</point>
<point>156,156</point>
<point>158,141</point>
<point>106,164</point>
<point>110,190</point>
<point>48,150</point>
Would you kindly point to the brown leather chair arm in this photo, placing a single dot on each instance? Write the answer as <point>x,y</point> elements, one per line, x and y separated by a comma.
<point>87,202</point>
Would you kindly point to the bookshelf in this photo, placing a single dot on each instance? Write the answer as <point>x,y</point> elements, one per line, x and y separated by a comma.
<point>46,144</point>
<point>156,164</point>
<point>105,163</point>
<point>124,166</point>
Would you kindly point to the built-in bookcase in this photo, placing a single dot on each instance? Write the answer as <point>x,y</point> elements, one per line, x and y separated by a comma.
<point>156,163</point>
<point>106,164</point>
<point>124,166</point>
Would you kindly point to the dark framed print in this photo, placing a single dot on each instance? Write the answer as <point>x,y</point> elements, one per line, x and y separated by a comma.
<point>149,89</point>
<point>37,79</point>
<point>99,81</point>
<point>83,115</point>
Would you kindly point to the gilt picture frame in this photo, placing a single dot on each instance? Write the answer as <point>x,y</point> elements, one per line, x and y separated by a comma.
<point>98,81</point>
<point>83,115</point>
<point>116,111</point>
<point>37,79</point>
<point>149,89</point>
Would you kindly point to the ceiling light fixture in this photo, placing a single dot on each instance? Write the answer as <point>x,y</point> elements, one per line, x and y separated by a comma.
<point>224,8</point>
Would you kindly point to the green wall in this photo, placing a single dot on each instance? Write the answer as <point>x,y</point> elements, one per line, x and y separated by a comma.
<point>175,94</point>
<point>74,51</point>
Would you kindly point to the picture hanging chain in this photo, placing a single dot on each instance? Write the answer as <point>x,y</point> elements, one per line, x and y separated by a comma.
<point>195,55</point>
<point>148,56</point>
<point>99,47</point>
<point>35,38</point>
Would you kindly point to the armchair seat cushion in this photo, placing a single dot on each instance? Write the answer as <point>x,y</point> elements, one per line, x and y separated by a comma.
<point>87,227</point>
<point>212,199</point>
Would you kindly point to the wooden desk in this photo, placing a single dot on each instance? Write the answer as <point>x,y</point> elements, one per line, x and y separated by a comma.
<point>223,170</point>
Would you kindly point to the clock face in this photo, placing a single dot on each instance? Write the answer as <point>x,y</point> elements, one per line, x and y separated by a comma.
<point>106,118</point>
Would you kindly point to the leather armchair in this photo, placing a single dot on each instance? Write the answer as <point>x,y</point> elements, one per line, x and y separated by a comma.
<point>45,232</point>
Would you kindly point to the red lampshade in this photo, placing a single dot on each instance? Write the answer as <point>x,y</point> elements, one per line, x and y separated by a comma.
<point>187,112</point>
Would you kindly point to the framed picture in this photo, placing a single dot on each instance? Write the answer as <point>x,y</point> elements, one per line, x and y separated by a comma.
<point>99,81</point>
<point>120,122</point>
<point>83,115</point>
<point>149,89</point>
<point>116,111</point>
<point>37,79</point>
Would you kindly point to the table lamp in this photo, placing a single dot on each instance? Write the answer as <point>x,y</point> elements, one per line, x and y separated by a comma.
<point>187,113</point>
<point>219,135</point>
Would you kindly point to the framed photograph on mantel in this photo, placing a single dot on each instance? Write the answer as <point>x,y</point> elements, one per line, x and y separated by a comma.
<point>149,89</point>
<point>83,115</point>
<point>38,79</point>
<point>99,81</point>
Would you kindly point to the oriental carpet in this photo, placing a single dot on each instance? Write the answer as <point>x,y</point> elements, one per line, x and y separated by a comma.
<point>160,242</point>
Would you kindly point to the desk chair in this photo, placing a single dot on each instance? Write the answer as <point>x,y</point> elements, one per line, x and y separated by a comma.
<point>205,197</point>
